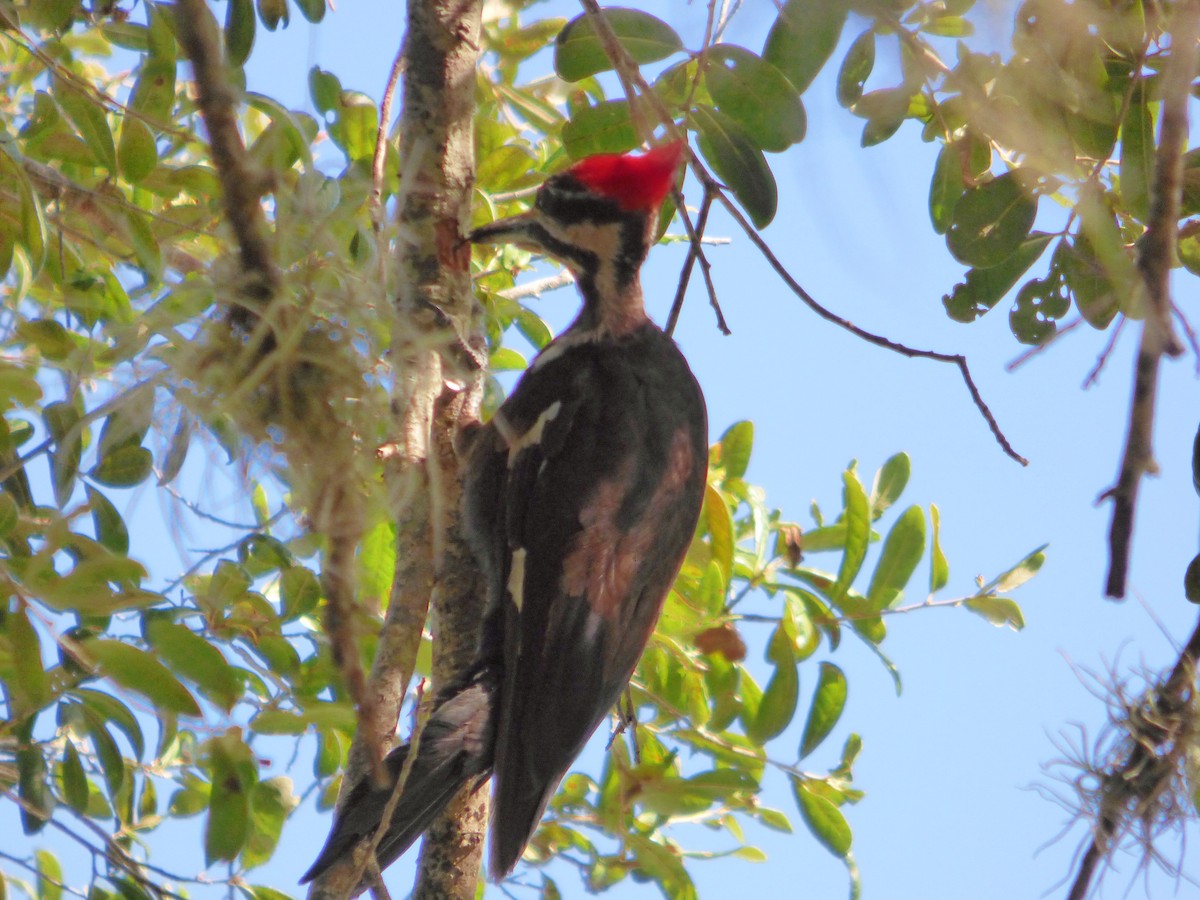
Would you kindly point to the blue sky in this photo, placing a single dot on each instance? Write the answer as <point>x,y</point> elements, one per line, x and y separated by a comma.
<point>948,767</point>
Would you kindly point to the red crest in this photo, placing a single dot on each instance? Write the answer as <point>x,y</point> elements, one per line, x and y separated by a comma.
<point>635,181</point>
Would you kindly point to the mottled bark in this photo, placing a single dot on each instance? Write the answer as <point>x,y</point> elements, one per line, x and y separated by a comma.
<point>437,389</point>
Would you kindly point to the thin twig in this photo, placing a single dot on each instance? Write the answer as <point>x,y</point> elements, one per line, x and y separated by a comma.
<point>538,287</point>
<point>629,71</point>
<point>956,359</point>
<point>1102,360</point>
<point>1020,360</point>
<point>1190,332</point>
<point>242,184</point>
<point>1155,260</point>
<point>379,160</point>
<point>694,253</point>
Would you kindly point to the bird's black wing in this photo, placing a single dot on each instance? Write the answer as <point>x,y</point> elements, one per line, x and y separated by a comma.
<point>604,462</point>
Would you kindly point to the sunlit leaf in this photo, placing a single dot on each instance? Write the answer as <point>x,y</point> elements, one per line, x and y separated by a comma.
<point>738,163</point>
<point>140,672</point>
<point>803,38</point>
<point>578,51</point>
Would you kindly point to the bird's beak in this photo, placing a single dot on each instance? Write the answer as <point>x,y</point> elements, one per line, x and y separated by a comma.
<point>513,230</point>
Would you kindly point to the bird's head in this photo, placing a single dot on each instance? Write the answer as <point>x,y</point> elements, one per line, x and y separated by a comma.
<point>597,217</point>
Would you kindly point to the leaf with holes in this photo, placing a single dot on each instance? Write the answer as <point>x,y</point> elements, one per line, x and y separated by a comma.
<point>578,51</point>
<point>738,163</point>
<point>1038,307</point>
<point>982,289</point>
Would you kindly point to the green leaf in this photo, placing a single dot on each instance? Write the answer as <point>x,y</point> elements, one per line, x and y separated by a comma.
<point>1013,578</point>
<point>1000,611</point>
<point>1039,305</point>
<point>946,187</point>
<point>195,659</point>
<point>108,708</point>
<point>1137,155</point>
<point>889,484</point>
<point>823,818</point>
<point>857,518</point>
<point>136,151</point>
<point>902,550</point>
<point>10,514</point>
<point>829,700</point>
<point>756,95</point>
<point>272,12</point>
<point>30,686</point>
<point>324,88</point>
<point>736,444</point>
<point>1099,268</point>
<point>803,38</point>
<point>50,876</point>
<point>313,10</point>
<point>300,592</point>
<point>579,53</point>
<point>778,703</point>
<point>86,111</point>
<point>355,126</point>
<point>719,520</point>
<point>856,68</point>
<point>239,32</point>
<point>124,467</point>
<point>270,803</point>
<point>52,340</point>
<point>991,222</point>
<point>984,288</point>
<point>603,128</point>
<point>885,111</point>
<point>939,568</point>
<point>33,221</point>
<point>37,802</point>
<point>1191,580</point>
<point>949,26</point>
<point>61,419</point>
<point>738,163</point>
<point>74,779</point>
<point>234,775</point>
<point>110,527</point>
<point>140,672</point>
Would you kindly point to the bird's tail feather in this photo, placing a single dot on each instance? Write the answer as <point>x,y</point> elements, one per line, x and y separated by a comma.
<point>456,747</point>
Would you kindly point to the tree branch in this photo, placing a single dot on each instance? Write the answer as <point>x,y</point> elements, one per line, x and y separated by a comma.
<point>1155,261</point>
<point>243,185</point>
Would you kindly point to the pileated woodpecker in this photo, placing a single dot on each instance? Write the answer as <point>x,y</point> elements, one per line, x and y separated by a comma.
<point>582,496</point>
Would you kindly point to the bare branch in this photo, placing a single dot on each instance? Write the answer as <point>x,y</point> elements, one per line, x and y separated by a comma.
<point>1155,261</point>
